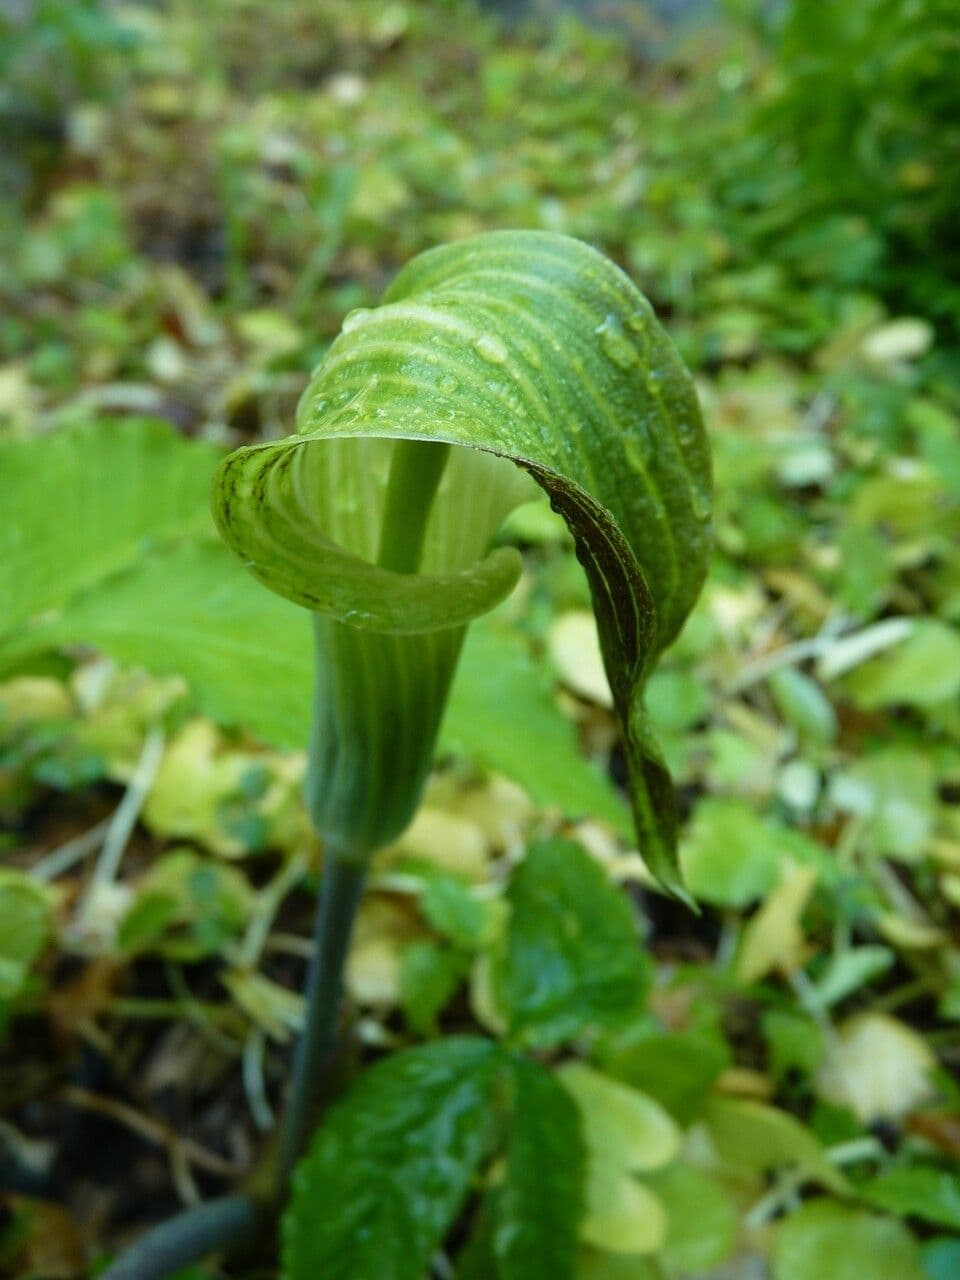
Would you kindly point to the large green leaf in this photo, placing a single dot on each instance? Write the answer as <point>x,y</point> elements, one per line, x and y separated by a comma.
<point>502,714</point>
<point>924,1192</point>
<point>391,1165</point>
<point>83,503</point>
<point>246,653</point>
<point>518,345</point>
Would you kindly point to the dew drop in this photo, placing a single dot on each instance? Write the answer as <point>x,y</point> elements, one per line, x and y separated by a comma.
<point>639,320</point>
<point>687,432</point>
<point>700,502</point>
<point>616,345</point>
<point>491,348</point>
<point>353,319</point>
<point>448,384</point>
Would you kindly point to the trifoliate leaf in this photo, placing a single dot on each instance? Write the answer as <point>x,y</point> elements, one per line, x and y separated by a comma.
<point>825,1240</point>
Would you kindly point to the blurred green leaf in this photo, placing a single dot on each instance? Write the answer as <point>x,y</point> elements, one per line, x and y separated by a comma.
<point>190,610</point>
<point>119,488</point>
<point>825,1240</point>
<point>571,958</point>
<point>391,1165</point>
<point>919,1191</point>
<point>923,671</point>
<point>752,1135</point>
<point>729,855</point>
<point>678,1068</point>
<point>703,1220</point>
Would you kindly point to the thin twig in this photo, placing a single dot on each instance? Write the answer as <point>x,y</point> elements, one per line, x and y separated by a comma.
<point>67,855</point>
<point>152,1131</point>
<point>128,810</point>
<point>253,1082</point>
<point>269,901</point>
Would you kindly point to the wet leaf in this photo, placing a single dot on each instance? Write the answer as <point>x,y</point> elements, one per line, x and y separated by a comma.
<point>571,957</point>
<point>391,1164</point>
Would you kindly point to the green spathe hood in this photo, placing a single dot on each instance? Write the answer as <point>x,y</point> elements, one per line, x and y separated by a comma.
<point>520,346</point>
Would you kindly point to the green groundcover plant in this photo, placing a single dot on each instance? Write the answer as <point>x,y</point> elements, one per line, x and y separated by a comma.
<point>201,193</point>
<point>493,363</point>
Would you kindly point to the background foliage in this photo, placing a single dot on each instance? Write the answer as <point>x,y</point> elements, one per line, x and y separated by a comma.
<point>193,199</point>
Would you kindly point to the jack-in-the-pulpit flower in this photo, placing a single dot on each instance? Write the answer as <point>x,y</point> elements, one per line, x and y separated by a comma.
<point>504,359</point>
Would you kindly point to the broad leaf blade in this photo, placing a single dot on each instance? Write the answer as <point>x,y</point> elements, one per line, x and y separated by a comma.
<point>391,1165</point>
<point>502,713</point>
<point>83,503</point>
<point>535,348</point>
<point>246,653</point>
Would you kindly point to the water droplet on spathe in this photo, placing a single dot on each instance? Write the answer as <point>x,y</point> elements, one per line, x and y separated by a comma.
<point>448,384</point>
<point>638,320</point>
<point>687,431</point>
<point>491,348</point>
<point>700,501</point>
<point>617,347</point>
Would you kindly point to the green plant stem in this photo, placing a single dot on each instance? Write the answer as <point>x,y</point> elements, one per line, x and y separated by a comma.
<point>231,1222</point>
<point>340,892</point>
<point>236,1220</point>
<point>415,473</point>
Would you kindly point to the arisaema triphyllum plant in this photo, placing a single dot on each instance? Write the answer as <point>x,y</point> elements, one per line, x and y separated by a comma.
<point>506,361</point>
